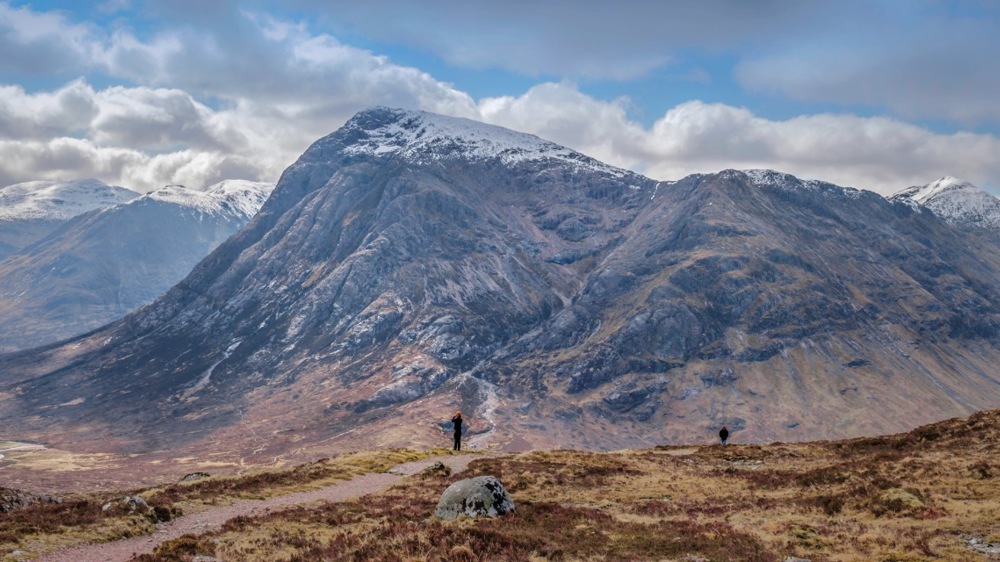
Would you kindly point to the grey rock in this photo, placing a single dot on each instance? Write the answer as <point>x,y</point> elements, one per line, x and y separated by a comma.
<point>437,470</point>
<point>13,500</point>
<point>980,545</point>
<point>131,504</point>
<point>194,477</point>
<point>475,497</point>
<point>725,377</point>
<point>135,504</point>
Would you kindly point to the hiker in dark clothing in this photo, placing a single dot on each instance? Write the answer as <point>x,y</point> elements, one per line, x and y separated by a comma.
<point>457,420</point>
<point>723,435</point>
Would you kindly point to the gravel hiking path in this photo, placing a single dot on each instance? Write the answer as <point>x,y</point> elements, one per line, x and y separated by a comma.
<point>213,518</point>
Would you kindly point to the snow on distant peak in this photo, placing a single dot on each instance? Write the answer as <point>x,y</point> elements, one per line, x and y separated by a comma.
<point>228,196</point>
<point>772,178</point>
<point>63,200</point>
<point>924,193</point>
<point>956,201</point>
<point>245,196</point>
<point>422,135</point>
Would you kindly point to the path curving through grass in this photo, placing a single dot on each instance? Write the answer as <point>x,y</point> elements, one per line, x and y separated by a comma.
<point>213,518</point>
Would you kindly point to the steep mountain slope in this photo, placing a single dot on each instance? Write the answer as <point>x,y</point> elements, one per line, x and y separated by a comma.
<point>29,211</point>
<point>409,264</point>
<point>956,201</point>
<point>101,265</point>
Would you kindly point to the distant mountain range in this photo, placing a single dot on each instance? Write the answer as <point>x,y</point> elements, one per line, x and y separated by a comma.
<point>103,251</point>
<point>411,264</point>
<point>29,211</point>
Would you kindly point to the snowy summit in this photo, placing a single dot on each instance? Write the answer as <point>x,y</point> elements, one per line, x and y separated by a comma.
<point>47,200</point>
<point>955,201</point>
<point>419,135</point>
<point>226,197</point>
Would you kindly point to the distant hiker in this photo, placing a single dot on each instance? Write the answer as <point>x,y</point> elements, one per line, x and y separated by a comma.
<point>723,435</point>
<point>457,420</point>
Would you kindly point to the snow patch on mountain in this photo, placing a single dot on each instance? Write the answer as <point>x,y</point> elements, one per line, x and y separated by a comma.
<point>954,200</point>
<point>48,200</point>
<point>923,194</point>
<point>772,178</point>
<point>239,197</point>
<point>418,136</point>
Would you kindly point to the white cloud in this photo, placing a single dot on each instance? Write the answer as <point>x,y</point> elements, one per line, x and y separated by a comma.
<point>42,115</point>
<point>249,113</point>
<point>42,43</point>
<point>561,113</point>
<point>155,119</point>
<point>878,153</point>
<point>143,138</point>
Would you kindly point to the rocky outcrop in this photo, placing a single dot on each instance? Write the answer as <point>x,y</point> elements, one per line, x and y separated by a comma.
<point>138,506</point>
<point>194,477</point>
<point>13,500</point>
<point>475,497</point>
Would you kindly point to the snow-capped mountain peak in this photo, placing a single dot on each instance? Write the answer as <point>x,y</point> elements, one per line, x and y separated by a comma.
<point>764,177</point>
<point>245,196</point>
<point>239,196</point>
<point>954,200</point>
<point>48,200</point>
<point>947,184</point>
<point>419,135</point>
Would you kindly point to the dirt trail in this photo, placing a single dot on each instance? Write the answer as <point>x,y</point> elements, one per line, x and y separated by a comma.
<point>213,518</point>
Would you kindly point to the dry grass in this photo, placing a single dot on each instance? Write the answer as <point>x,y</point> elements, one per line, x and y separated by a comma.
<point>913,497</point>
<point>919,496</point>
<point>266,483</point>
<point>80,519</point>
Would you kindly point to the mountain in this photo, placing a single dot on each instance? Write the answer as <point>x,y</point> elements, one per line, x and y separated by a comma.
<point>956,201</point>
<point>410,264</point>
<point>102,264</point>
<point>29,211</point>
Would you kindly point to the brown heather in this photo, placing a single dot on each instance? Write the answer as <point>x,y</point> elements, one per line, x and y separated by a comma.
<point>80,518</point>
<point>920,496</point>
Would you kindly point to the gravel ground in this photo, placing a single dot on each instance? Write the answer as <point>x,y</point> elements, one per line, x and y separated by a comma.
<point>213,518</point>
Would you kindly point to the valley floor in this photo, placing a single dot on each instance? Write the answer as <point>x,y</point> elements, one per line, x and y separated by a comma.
<point>931,494</point>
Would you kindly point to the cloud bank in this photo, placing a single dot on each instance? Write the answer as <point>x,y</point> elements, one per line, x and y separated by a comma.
<point>200,107</point>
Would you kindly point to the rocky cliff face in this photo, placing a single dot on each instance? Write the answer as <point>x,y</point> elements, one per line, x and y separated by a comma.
<point>411,264</point>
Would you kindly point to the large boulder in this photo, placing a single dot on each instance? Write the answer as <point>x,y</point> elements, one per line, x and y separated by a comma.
<point>482,495</point>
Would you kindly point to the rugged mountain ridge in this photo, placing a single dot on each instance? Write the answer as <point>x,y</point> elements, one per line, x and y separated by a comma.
<point>102,264</point>
<point>409,264</point>
<point>956,201</point>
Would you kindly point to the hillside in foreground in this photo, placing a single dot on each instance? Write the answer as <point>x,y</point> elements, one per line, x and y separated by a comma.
<point>930,494</point>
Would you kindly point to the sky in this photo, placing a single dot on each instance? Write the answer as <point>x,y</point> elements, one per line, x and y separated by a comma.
<point>879,95</point>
